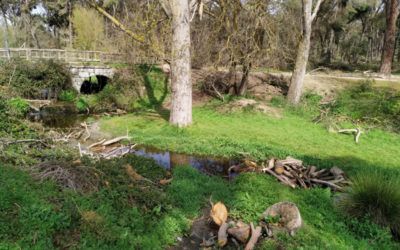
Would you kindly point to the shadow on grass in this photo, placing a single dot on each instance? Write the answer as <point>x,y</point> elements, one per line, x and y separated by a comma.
<point>154,99</point>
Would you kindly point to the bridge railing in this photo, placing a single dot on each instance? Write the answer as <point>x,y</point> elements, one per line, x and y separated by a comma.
<point>70,56</point>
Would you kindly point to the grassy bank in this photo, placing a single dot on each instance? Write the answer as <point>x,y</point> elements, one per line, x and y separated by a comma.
<point>260,136</point>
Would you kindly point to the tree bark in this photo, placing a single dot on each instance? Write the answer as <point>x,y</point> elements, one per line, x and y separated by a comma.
<point>6,42</point>
<point>303,51</point>
<point>392,12</point>
<point>70,28</point>
<point>181,105</point>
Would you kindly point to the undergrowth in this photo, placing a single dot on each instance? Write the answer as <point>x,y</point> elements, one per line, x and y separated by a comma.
<point>42,79</point>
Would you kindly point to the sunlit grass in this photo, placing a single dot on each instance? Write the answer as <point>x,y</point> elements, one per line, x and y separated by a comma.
<point>260,136</point>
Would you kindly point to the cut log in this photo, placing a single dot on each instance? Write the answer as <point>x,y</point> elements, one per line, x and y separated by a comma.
<point>219,213</point>
<point>240,231</point>
<point>223,235</point>
<point>279,169</point>
<point>255,234</point>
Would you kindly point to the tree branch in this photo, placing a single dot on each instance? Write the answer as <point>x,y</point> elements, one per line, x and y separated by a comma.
<point>316,9</point>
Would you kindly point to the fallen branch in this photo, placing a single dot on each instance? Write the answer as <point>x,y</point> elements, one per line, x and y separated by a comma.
<point>115,140</point>
<point>255,234</point>
<point>357,133</point>
<point>87,131</point>
<point>327,183</point>
<point>282,179</point>
<point>96,144</point>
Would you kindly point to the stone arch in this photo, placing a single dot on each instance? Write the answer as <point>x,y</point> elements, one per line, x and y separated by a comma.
<point>94,84</point>
<point>81,75</point>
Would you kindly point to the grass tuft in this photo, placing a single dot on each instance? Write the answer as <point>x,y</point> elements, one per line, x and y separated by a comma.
<point>375,196</point>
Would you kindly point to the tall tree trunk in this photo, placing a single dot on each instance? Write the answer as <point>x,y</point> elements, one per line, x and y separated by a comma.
<point>181,105</point>
<point>6,42</point>
<point>392,12</point>
<point>70,28</point>
<point>303,52</point>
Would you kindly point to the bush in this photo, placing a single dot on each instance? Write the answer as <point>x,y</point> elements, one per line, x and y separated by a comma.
<point>42,79</point>
<point>82,105</point>
<point>18,107</point>
<point>375,196</point>
<point>67,96</point>
<point>364,103</point>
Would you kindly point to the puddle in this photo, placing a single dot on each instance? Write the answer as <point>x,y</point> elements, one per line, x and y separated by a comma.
<point>58,115</point>
<point>169,160</point>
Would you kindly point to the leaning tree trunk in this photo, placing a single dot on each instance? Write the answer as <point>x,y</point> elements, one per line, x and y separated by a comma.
<point>297,81</point>
<point>181,104</point>
<point>392,12</point>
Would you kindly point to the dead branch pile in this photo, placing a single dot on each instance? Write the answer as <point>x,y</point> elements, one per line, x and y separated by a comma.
<point>106,149</point>
<point>77,178</point>
<point>293,173</point>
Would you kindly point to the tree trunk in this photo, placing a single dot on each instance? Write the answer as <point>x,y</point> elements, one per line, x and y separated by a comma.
<point>181,104</point>
<point>242,88</point>
<point>297,80</point>
<point>392,12</point>
<point>6,42</point>
<point>70,28</point>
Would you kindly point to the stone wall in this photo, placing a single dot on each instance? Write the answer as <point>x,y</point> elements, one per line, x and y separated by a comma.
<point>81,73</point>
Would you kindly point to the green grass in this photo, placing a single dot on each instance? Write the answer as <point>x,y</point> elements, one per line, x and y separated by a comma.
<point>260,136</point>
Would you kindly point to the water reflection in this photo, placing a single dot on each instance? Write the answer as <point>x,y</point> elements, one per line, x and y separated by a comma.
<point>169,160</point>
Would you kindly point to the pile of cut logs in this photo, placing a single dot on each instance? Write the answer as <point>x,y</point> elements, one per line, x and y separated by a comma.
<point>293,173</point>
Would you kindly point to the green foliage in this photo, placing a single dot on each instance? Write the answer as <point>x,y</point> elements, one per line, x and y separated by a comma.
<point>67,96</point>
<point>10,125</point>
<point>81,104</point>
<point>18,107</point>
<point>89,29</point>
<point>364,228</point>
<point>376,196</point>
<point>30,79</point>
<point>363,103</point>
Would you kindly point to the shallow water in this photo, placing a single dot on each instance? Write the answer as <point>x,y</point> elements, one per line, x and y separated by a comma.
<point>58,115</point>
<point>169,160</point>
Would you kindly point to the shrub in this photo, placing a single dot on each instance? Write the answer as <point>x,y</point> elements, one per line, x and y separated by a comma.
<point>378,106</point>
<point>18,107</point>
<point>42,79</point>
<point>375,196</point>
<point>67,96</point>
<point>82,105</point>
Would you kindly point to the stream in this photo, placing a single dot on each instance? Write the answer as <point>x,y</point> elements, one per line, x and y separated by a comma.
<point>169,160</point>
<point>62,115</point>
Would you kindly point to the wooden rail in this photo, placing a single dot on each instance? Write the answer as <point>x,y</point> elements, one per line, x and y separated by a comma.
<point>71,56</point>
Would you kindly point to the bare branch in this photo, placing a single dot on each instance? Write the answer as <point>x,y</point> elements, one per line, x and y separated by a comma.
<point>316,9</point>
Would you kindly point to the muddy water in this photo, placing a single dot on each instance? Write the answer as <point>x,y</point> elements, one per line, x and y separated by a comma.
<point>168,160</point>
